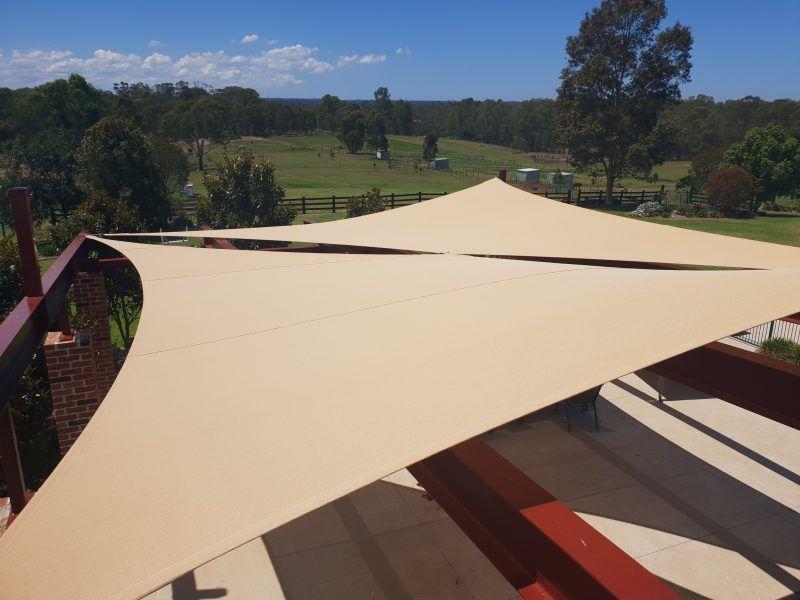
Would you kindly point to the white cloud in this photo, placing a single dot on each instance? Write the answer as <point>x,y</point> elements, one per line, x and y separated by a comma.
<point>155,44</point>
<point>272,42</point>
<point>156,61</point>
<point>403,50</point>
<point>273,68</point>
<point>369,59</point>
<point>249,39</point>
<point>346,60</point>
<point>291,58</point>
<point>364,59</point>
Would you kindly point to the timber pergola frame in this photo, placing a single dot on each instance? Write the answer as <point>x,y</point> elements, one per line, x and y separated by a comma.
<point>537,543</point>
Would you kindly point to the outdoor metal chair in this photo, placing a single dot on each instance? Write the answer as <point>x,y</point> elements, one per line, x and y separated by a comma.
<point>584,401</point>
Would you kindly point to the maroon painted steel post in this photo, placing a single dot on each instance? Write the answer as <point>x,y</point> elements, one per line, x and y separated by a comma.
<point>9,456</point>
<point>23,226</point>
<point>501,174</point>
<point>32,286</point>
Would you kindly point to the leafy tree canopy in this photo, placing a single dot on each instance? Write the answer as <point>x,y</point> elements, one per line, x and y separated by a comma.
<point>71,105</point>
<point>44,162</point>
<point>196,122</point>
<point>772,158</point>
<point>328,111</point>
<point>115,158</point>
<point>730,188</point>
<point>173,166</point>
<point>430,147</point>
<point>244,193</point>
<point>353,131</point>
<point>369,203</point>
<point>376,132</point>
<point>621,73</point>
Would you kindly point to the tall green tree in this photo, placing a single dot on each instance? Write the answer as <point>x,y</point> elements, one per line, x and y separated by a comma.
<point>243,107</point>
<point>44,162</point>
<point>384,106</point>
<point>430,147</point>
<point>622,72</point>
<point>244,193</point>
<point>534,123</point>
<point>115,158</point>
<point>196,122</point>
<point>352,131</point>
<point>328,113</point>
<point>376,132</point>
<point>71,105</point>
<point>173,166</point>
<point>772,158</point>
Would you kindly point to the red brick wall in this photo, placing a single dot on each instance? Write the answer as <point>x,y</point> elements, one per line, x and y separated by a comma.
<point>89,293</point>
<point>80,376</point>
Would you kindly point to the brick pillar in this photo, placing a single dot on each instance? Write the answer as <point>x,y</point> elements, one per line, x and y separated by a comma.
<point>81,370</point>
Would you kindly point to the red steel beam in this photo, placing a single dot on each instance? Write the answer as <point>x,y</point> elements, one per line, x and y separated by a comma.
<point>22,330</point>
<point>536,542</point>
<point>795,318</point>
<point>596,262</point>
<point>23,226</point>
<point>9,457</point>
<point>747,379</point>
<point>216,242</point>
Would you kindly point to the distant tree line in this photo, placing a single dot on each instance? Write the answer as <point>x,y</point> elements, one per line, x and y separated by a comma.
<point>42,128</point>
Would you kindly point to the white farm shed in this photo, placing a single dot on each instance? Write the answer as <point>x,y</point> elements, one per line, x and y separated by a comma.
<point>439,164</point>
<point>528,174</point>
<point>566,179</point>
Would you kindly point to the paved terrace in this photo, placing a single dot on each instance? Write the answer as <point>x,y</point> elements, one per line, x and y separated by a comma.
<point>701,492</point>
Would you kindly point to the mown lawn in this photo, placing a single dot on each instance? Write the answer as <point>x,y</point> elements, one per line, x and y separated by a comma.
<point>778,230</point>
<point>774,229</point>
<point>305,167</point>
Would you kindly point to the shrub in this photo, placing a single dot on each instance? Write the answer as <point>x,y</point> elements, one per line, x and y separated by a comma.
<point>369,203</point>
<point>697,210</point>
<point>243,193</point>
<point>729,189</point>
<point>648,209</point>
<point>690,210</point>
<point>429,147</point>
<point>782,349</point>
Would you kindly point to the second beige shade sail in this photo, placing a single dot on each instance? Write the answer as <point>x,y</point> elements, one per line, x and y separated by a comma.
<point>496,219</point>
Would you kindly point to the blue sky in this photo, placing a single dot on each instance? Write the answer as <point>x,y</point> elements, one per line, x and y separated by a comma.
<point>420,50</point>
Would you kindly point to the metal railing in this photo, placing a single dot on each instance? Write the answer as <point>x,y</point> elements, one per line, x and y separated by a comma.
<point>755,336</point>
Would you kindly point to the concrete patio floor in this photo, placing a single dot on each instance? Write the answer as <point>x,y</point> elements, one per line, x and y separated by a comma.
<point>702,493</point>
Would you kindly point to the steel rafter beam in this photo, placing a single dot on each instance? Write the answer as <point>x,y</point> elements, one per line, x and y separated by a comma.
<point>747,379</point>
<point>536,542</point>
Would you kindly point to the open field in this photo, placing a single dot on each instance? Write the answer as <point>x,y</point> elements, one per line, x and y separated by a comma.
<point>774,229</point>
<point>305,167</point>
<point>778,230</point>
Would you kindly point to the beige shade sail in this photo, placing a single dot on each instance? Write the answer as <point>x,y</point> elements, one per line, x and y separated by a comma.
<point>262,385</point>
<point>496,219</point>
